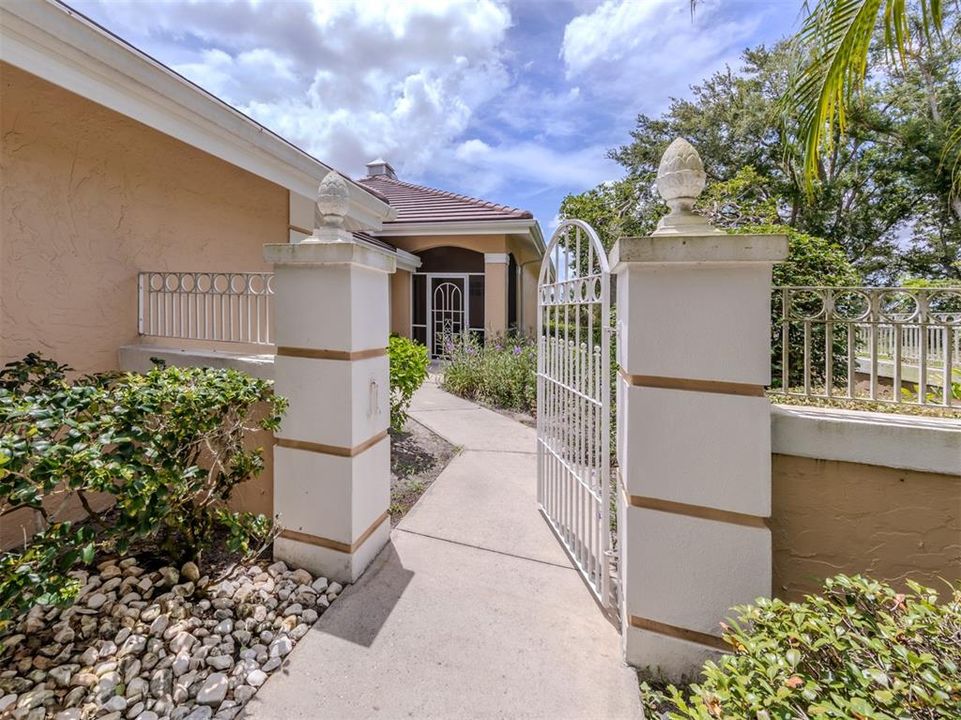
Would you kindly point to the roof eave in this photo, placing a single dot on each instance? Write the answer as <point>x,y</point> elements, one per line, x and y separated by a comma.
<point>61,46</point>
<point>407,261</point>
<point>511,226</point>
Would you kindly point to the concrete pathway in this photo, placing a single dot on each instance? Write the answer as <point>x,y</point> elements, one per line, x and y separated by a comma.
<point>472,611</point>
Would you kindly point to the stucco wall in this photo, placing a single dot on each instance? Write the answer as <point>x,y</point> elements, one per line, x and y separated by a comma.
<point>478,243</point>
<point>831,517</point>
<point>89,198</point>
<point>400,303</point>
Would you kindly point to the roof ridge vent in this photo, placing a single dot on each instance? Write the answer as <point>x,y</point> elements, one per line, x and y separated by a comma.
<point>381,167</point>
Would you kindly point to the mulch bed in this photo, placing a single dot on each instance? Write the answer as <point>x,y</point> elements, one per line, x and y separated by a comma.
<point>417,457</point>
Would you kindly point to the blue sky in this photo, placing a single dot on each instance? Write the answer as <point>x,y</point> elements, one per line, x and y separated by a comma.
<point>515,102</point>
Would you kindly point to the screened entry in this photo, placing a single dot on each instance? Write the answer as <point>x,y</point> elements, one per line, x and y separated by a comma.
<point>445,306</point>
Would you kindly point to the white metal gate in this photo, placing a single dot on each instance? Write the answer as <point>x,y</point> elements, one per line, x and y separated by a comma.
<point>574,399</point>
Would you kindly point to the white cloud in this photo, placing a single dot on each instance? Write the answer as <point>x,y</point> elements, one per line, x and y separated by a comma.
<point>450,91</point>
<point>346,80</point>
<point>535,164</point>
<point>641,53</point>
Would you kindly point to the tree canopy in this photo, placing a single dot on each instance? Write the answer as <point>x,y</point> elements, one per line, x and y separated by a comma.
<point>884,196</point>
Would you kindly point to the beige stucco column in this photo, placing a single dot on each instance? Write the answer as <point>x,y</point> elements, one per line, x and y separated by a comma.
<point>694,425</point>
<point>332,454</point>
<point>495,293</point>
<point>400,303</point>
<point>529,273</point>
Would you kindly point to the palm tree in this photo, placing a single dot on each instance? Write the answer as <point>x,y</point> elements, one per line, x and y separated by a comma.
<point>833,60</point>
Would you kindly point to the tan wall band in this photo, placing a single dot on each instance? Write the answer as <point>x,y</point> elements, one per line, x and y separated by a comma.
<point>297,228</point>
<point>696,511</point>
<point>706,386</point>
<point>314,354</point>
<point>323,542</point>
<point>337,450</point>
<point>679,633</point>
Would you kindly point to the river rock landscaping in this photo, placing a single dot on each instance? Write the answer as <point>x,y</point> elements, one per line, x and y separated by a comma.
<point>166,643</point>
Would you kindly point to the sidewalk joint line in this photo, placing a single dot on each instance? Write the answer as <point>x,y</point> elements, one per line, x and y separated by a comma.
<point>478,547</point>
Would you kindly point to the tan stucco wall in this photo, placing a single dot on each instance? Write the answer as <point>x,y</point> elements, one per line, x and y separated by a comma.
<point>400,303</point>
<point>528,291</point>
<point>477,243</point>
<point>495,299</point>
<point>89,197</point>
<point>832,517</point>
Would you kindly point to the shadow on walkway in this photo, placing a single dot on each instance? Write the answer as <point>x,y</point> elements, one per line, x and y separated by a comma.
<point>472,611</point>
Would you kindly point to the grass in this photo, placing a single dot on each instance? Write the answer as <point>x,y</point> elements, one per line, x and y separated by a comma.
<point>936,411</point>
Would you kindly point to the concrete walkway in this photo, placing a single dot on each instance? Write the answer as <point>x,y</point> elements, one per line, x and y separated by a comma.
<point>472,611</point>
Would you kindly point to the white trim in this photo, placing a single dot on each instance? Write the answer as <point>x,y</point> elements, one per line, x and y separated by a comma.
<point>55,43</point>
<point>496,258</point>
<point>885,439</point>
<point>477,227</point>
<point>407,261</point>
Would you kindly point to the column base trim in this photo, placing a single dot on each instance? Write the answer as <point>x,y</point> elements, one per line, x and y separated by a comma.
<point>323,542</point>
<point>679,633</point>
<point>692,385</point>
<point>337,450</point>
<point>318,354</point>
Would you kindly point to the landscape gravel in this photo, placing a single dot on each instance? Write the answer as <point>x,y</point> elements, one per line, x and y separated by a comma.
<point>168,643</point>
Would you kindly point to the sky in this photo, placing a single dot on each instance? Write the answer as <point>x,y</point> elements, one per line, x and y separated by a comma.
<point>515,102</point>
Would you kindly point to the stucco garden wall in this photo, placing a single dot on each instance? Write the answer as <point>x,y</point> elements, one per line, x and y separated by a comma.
<point>833,517</point>
<point>864,493</point>
<point>89,198</point>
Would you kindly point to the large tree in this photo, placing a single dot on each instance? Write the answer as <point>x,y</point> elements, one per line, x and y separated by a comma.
<point>883,196</point>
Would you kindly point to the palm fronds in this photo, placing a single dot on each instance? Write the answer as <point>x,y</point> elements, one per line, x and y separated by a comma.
<point>833,46</point>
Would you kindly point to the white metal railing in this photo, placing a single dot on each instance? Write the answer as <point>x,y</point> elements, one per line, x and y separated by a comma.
<point>896,345</point>
<point>217,307</point>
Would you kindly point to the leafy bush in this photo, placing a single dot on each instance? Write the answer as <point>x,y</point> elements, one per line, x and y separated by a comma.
<point>408,370</point>
<point>167,448</point>
<point>502,372</point>
<point>860,650</point>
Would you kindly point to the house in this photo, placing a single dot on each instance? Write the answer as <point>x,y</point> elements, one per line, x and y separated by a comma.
<point>134,207</point>
<point>129,195</point>
<point>479,261</point>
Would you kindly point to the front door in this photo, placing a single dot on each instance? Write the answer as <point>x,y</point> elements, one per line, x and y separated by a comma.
<point>448,312</point>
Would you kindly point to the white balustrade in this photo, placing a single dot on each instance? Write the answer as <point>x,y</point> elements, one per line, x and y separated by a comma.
<point>215,307</point>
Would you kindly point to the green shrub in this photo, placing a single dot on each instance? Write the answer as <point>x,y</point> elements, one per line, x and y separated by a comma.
<point>859,650</point>
<point>167,447</point>
<point>502,372</point>
<point>408,370</point>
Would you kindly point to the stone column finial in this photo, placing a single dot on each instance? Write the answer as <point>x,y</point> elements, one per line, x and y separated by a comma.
<point>680,181</point>
<point>330,207</point>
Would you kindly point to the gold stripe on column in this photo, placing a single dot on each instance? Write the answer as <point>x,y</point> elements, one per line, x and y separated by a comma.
<point>697,511</point>
<point>705,386</point>
<point>315,354</point>
<point>679,633</point>
<point>323,542</point>
<point>337,450</point>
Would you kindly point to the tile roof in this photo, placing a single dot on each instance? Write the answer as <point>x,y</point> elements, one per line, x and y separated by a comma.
<point>419,204</point>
